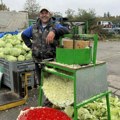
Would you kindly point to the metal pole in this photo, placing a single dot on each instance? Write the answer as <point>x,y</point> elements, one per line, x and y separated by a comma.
<point>108,106</point>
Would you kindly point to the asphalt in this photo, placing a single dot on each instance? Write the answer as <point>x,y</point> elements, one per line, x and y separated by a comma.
<point>108,51</point>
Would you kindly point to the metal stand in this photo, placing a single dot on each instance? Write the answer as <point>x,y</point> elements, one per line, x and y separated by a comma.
<point>90,83</point>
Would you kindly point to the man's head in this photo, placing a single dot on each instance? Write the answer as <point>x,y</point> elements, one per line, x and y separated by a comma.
<point>45,15</point>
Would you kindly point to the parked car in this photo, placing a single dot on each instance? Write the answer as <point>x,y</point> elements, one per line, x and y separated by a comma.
<point>105,24</point>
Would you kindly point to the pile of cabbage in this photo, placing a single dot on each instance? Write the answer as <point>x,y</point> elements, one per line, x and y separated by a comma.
<point>58,90</point>
<point>97,110</point>
<point>12,48</point>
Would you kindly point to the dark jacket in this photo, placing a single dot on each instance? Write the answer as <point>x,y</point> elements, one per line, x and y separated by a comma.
<point>34,37</point>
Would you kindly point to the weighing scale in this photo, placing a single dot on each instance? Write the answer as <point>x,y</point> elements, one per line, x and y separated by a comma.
<point>89,76</point>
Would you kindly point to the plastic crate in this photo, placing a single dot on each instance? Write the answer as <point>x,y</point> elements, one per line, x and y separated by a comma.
<point>9,67</point>
<point>83,52</point>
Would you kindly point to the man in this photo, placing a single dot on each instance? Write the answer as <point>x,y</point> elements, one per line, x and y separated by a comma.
<point>42,38</point>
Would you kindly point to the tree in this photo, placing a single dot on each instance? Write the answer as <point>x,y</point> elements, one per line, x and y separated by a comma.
<point>89,16</point>
<point>3,7</point>
<point>70,14</point>
<point>108,14</point>
<point>57,14</point>
<point>105,15</point>
<point>32,7</point>
<point>116,21</point>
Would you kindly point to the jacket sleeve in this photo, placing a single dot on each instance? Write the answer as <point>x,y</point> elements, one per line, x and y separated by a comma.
<point>26,40</point>
<point>26,36</point>
<point>60,30</point>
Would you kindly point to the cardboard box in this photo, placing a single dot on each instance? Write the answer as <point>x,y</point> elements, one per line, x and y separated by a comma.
<point>67,43</point>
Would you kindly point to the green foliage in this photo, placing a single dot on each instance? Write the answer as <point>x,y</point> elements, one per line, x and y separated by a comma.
<point>116,20</point>
<point>3,7</point>
<point>32,7</point>
<point>102,33</point>
<point>89,16</point>
<point>82,16</point>
<point>70,14</point>
<point>57,14</point>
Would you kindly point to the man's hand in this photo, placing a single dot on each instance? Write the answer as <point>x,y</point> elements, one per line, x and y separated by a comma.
<point>50,37</point>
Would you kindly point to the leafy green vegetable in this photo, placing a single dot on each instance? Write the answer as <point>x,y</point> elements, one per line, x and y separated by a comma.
<point>58,90</point>
<point>13,45</point>
<point>21,58</point>
<point>97,110</point>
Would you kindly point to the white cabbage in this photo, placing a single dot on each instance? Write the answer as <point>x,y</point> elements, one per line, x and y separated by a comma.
<point>58,90</point>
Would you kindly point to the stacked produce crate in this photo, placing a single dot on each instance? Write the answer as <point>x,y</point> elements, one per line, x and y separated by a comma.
<point>15,57</point>
<point>10,67</point>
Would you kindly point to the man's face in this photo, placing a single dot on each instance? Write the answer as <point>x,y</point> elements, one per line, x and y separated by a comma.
<point>44,16</point>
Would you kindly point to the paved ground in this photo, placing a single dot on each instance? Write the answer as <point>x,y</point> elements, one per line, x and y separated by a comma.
<point>107,51</point>
<point>110,52</point>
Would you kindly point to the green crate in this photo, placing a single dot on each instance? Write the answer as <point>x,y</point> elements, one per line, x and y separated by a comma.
<point>78,56</point>
<point>74,56</point>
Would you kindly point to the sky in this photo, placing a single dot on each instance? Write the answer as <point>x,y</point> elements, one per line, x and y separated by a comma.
<point>100,6</point>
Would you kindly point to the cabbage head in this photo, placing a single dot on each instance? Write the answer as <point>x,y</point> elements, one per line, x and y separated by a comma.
<point>8,45</point>
<point>15,52</point>
<point>18,46</point>
<point>25,47</point>
<point>23,52</point>
<point>2,43</point>
<point>1,55</point>
<point>21,58</point>
<point>17,42</point>
<point>11,58</point>
<point>1,49</point>
<point>7,51</point>
<point>19,36</point>
<point>8,36</point>
<point>28,56</point>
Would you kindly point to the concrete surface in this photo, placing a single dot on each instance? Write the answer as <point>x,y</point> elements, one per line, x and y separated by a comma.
<point>107,51</point>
